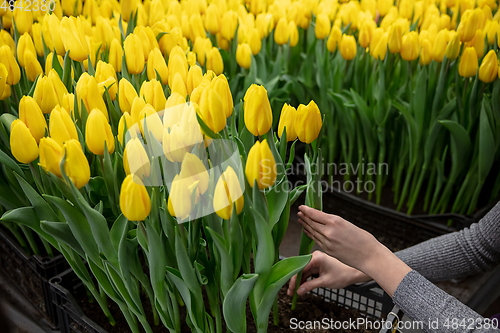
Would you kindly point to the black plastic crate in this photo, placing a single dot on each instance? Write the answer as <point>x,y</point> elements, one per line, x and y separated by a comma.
<point>31,274</point>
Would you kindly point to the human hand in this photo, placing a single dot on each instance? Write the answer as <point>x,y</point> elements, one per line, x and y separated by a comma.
<point>332,274</point>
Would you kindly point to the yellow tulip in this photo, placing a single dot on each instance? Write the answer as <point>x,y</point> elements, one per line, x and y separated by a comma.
<point>4,87</point>
<point>478,43</point>
<point>133,54</point>
<point>281,32</point>
<point>294,34</point>
<point>244,55</point>
<point>22,144</point>
<point>348,47</point>
<point>104,32</point>
<point>194,78</point>
<point>410,47</point>
<point>10,63</point>
<point>264,22</point>
<point>287,119</point>
<point>174,148</point>
<point>153,94</point>
<point>383,6</point>
<point>148,40</point>
<point>126,120</point>
<point>212,19</point>
<point>406,9</point>
<point>196,27</point>
<point>51,154</point>
<point>137,106</point>
<point>228,191</point>
<point>489,67</point>
<point>135,203</point>
<point>453,48</point>
<point>98,133</point>
<point>322,28</point>
<point>191,59</point>
<point>149,118</point>
<point>23,16</point>
<point>56,34</point>
<point>492,30</point>
<point>61,126</point>
<point>87,91</point>
<point>469,23</point>
<point>157,64</point>
<point>260,166</point>
<point>173,100</point>
<point>395,38</point>
<point>426,52</point>
<point>214,61</point>
<point>49,91</point>
<point>72,7</point>
<point>24,44</point>
<point>229,23</point>
<point>116,55</point>
<point>221,85</point>
<point>105,76</point>
<point>48,62</point>
<point>308,122</point>
<point>135,159</point>
<point>176,65</point>
<point>202,46</point>
<point>76,165</point>
<point>31,115</point>
<point>334,39</point>
<point>211,109</point>
<point>68,103</point>
<point>365,34</point>
<point>74,40</point>
<point>126,95</point>
<point>179,199</point>
<point>468,63</point>
<point>257,110</point>
<point>178,86</point>
<point>33,67</point>
<point>194,171</point>
<point>156,11</point>
<point>380,42</point>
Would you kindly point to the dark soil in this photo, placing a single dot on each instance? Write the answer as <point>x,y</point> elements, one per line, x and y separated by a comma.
<point>309,308</point>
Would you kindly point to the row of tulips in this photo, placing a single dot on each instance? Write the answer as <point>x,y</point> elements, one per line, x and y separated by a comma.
<point>134,157</point>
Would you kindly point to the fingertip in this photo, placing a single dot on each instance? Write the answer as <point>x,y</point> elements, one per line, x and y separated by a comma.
<point>301,291</point>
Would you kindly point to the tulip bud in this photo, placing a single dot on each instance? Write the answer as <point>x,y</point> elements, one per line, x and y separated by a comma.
<point>202,46</point>
<point>126,120</point>
<point>469,23</point>
<point>322,28</point>
<point>308,122</point>
<point>153,94</point>
<point>334,39</point>
<point>492,30</point>
<point>98,133</point>
<point>228,191</point>
<point>51,154</point>
<point>61,126</point>
<point>126,95</point>
<point>48,62</point>
<point>244,55</point>
<point>22,144</point>
<point>137,106</point>
<point>257,110</point>
<point>147,39</point>
<point>348,47</point>
<point>33,67</point>
<point>179,199</point>
<point>261,166</point>
<point>395,38</point>
<point>214,61</point>
<point>76,165</point>
<point>23,17</point>
<point>489,67</point>
<point>178,86</point>
<point>105,76</point>
<point>31,115</point>
<point>194,171</point>
<point>365,34</point>
<point>221,85</point>
<point>410,47</point>
<point>264,22</point>
<point>453,48</point>
<point>212,19</point>
<point>148,118</point>
<point>135,159</point>
<point>157,64</point>
<point>196,27</point>
<point>294,34</point>
<point>191,58</point>
<point>74,40</point>
<point>49,91</point>
<point>56,34</point>
<point>135,203</point>
<point>134,54</point>
<point>176,65</point>
<point>468,63</point>
<point>287,119</point>
<point>478,43</point>
<point>194,78</point>
<point>116,55</point>
<point>281,33</point>
<point>24,44</point>
<point>211,109</point>
<point>13,70</point>
<point>426,52</point>
<point>4,87</point>
<point>229,23</point>
<point>87,91</point>
<point>72,7</point>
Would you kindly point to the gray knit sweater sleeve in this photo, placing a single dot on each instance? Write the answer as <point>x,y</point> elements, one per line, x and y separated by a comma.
<point>459,254</point>
<point>472,250</point>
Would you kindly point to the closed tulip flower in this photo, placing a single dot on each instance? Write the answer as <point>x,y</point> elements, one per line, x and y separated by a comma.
<point>148,40</point>
<point>468,63</point>
<point>178,86</point>
<point>229,23</point>
<point>478,43</point>
<point>176,65</point>
<point>49,91</point>
<point>56,34</point>
<point>260,166</point>
<point>294,34</point>
<point>31,115</point>
<point>133,54</point>
<point>244,55</point>
<point>489,67</point>
<point>157,64</point>
<point>74,40</point>
<point>202,46</point>
<point>308,122</point>
<point>380,49</point>
<point>439,47</point>
<point>68,103</point>
<point>334,39</point>
<point>10,63</point>
<point>395,38</point>
<point>173,100</point>
<point>257,110</point>
<point>76,165</point>
<point>384,6</point>
<point>98,133</point>
<point>22,144</point>
<point>23,18</point>
<point>281,32</point>
<point>33,67</point>
<point>179,199</point>
<point>126,95</point>
<point>221,85</point>
<point>61,126</point>
<point>348,47</point>
<point>24,44</point>
<point>212,19</point>
<point>87,91</point>
<point>365,34</point>
<point>469,23</point>
<point>492,31</point>
<point>137,106</point>
<point>214,61</point>
<point>264,22</point>
<point>116,55</point>
<point>149,118</point>
<point>228,191</point>
<point>4,87</point>
<point>174,148</point>
<point>105,76</point>
<point>425,52</point>
<point>51,154</point>
<point>322,28</point>
<point>196,27</point>
<point>126,122</point>
<point>194,78</point>
<point>72,7</point>
<point>48,62</point>
<point>135,159</point>
<point>211,109</point>
<point>153,93</point>
<point>453,48</point>
<point>410,47</point>
<point>194,171</point>
<point>135,203</point>
<point>287,120</point>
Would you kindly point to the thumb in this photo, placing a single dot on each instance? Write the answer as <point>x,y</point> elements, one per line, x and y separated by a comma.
<point>310,285</point>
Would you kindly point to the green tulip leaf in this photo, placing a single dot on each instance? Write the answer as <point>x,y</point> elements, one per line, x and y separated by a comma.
<point>235,303</point>
<point>226,263</point>
<point>276,200</point>
<point>206,130</point>
<point>42,208</point>
<point>486,145</point>
<point>62,233</point>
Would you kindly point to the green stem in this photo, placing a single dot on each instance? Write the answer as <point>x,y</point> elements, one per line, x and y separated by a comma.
<point>31,240</point>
